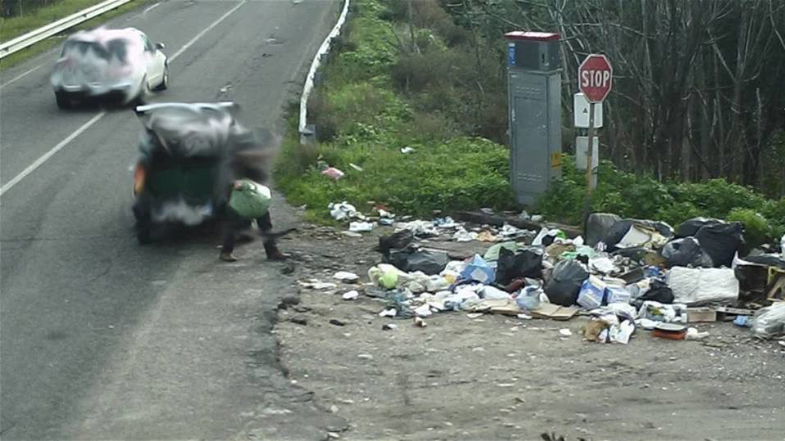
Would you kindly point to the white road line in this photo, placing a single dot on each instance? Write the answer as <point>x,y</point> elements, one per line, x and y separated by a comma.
<point>10,184</point>
<point>200,34</point>
<point>38,162</point>
<point>19,77</point>
<point>150,8</point>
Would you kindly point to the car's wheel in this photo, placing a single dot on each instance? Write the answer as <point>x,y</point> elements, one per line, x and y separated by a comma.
<point>144,224</point>
<point>143,235</point>
<point>144,92</point>
<point>165,80</point>
<point>63,101</point>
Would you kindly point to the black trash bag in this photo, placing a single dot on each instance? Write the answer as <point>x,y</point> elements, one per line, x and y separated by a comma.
<point>659,291</point>
<point>512,265</point>
<point>635,253</point>
<point>721,241</point>
<point>753,280</point>
<point>395,241</point>
<point>598,225</point>
<point>686,252</point>
<point>768,260</point>
<point>620,229</point>
<point>410,260</point>
<point>690,227</point>
<point>617,232</point>
<point>659,226</point>
<point>565,282</point>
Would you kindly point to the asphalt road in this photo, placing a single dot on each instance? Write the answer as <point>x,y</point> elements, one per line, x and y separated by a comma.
<point>101,338</point>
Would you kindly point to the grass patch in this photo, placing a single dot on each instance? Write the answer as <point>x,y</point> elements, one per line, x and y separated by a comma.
<point>388,86</point>
<point>15,26</point>
<point>364,118</point>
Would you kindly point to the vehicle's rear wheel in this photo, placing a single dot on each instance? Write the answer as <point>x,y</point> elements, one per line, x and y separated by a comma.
<point>63,102</point>
<point>143,235</point>
<point>165,80</point>
<point>144,91</point>
<point>143,225</point>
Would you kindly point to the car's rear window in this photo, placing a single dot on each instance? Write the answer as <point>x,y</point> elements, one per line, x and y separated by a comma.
<point>116,48</point>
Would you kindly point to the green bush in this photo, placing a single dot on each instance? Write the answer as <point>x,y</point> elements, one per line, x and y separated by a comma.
<point>756,228</point>
<point>640,196</point>
<point>774,211</point>
<point>385,90</point>
<point>716,197</point>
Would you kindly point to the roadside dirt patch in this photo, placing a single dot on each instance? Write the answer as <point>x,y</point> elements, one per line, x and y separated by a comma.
<point>494,377</point>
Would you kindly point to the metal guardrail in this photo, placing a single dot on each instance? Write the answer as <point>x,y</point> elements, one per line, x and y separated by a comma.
<point>47,31</point>
<point>323,49</point>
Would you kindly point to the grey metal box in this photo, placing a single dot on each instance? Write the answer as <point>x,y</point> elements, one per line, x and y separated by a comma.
<point>538,51</point>
<point>535,132</point>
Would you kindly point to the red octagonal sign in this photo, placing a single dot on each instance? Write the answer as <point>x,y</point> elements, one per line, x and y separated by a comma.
<point>595,77</point>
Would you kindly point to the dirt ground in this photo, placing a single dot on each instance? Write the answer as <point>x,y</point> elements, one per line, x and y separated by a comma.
<point>496,377</point>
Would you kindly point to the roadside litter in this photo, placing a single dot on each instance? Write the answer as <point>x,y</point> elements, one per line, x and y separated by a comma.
<point>628,276</point>
<point>334,173</point>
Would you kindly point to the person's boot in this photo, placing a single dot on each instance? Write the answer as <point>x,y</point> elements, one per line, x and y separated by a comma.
<point>227,256</point>
<point>273,253</point>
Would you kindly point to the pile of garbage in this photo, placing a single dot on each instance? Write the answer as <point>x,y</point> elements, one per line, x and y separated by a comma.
<point>625,274</point>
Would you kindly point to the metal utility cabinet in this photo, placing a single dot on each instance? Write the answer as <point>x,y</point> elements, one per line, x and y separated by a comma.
<point>534,106</point>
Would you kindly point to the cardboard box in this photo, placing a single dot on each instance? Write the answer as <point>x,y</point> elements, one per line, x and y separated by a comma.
<point>592,294</point>
<point>697,315</point>
<point>614,294</point>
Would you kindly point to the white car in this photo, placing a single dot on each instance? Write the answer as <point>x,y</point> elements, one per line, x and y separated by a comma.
<point>119,64</point>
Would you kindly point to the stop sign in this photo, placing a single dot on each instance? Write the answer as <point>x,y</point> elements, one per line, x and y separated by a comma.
<point>595,77</point>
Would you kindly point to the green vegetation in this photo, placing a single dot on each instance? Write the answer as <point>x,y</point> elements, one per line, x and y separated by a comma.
<point>403,77</point>
<point>643,197</point>
<point>15,26</point>
<point>364,117</point>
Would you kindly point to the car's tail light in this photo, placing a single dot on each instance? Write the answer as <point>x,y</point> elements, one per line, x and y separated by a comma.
<point>140,173</point>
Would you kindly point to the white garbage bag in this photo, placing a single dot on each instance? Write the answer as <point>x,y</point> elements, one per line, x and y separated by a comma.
<point>699,286</point>
<point>769,321</point>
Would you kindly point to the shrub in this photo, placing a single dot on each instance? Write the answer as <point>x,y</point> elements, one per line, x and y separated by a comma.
<point>774,211</point>
<point>380,94</point>
<point>716,197</point>
<point>756,227</point>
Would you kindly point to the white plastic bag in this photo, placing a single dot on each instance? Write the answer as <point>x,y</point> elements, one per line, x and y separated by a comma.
<point>699,286</point>
<point>769,321</point>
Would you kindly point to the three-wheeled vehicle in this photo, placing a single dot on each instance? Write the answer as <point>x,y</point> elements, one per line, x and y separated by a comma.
<point>185,170</point>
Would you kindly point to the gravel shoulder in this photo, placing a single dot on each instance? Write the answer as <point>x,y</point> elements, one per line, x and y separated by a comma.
<point>497,377</point>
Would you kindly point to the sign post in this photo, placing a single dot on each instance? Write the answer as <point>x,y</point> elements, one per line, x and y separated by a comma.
<point>595,80</point>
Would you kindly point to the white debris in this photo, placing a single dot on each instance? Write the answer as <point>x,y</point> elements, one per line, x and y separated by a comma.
<point>316,284</point>
<point>423,311</point>
<point>342,211</point>
<point>565,332</point>
<point>391,312</point>
<point>694,334</point>
<point>461,235</point>
<point>418,227</point>
<point>346,277</point>
<point>351,295</point>
<point>361,227</point>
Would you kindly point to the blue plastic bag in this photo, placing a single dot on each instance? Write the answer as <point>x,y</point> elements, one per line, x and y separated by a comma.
<point>479,270</point>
